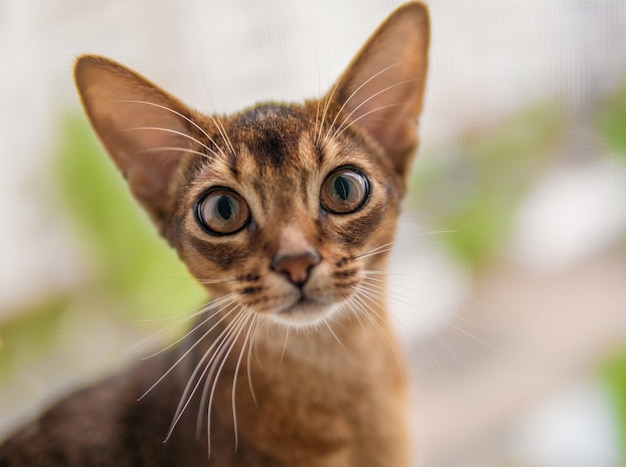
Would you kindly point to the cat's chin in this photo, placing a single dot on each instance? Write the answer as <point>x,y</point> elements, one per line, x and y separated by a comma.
<point>304,313</point>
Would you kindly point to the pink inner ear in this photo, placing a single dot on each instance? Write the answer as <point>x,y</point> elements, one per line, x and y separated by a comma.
<point>383,88</point>
<point>140,125</point>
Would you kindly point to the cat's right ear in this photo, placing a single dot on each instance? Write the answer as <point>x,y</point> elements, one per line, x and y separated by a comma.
<point>383,88</point>
<point>141,127</point>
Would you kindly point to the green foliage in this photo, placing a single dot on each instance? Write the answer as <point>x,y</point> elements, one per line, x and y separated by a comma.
<point>474,189</point>
<point>612,121</point>
<point>135,266</point>
<point>616,377</point>
<point>31,333</point>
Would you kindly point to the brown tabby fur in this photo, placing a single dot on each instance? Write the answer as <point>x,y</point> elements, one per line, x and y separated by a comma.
<point>314,374</point>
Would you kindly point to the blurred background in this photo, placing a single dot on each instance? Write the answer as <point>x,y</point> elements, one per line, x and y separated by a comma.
<point>509,278</point>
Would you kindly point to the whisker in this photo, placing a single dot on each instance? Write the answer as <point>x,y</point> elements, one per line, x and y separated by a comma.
<point>407,329</point>
<point>188,393</point>
<point>182,357</point>
<point>248,363</point>
<point>358,89</point>
<point>173,148</point>
<point>339,130</point>
<point>319,78</point>
<point>403,242</point>
<point>371,315</point>
<point>176,132</point>
<point>401,299</point>
<point>210,307</point>
<point>223,358</point>
<point>282,353</point>
<point>216,121</point>
<point>393,293</point>
<point>325,321</point>
<point>427,277</point>
<point>326,107</point>
<point>243,348</point>
<point>202,130</point>
<point>375,298</point>
<point>376,282</point>
<point>222,130</point>
<point>215,281</point>
<point>217,350</point>
<point>184,117</point>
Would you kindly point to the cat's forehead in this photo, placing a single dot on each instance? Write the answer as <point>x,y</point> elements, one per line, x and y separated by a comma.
<point>277,158</point>
<point>279,142</point>
<point>269,135</point>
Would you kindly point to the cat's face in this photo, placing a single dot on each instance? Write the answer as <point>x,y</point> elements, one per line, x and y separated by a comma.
<point>280,209</point>
<point>285,214</point>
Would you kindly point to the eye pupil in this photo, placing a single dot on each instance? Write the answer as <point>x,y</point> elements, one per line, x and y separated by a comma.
<point>225,207</point>
<point>344,191</point>
<point>342,187</point>
<point>221,211</point>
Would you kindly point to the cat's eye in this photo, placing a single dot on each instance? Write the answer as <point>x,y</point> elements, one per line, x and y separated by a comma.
<point>344,191</point>
<point>222,212</point>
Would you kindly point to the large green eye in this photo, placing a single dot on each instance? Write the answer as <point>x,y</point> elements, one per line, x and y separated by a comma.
<point>344,191</point>
<point>222,212</point>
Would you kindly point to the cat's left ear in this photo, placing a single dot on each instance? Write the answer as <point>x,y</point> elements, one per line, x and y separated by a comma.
<point>383,87</point>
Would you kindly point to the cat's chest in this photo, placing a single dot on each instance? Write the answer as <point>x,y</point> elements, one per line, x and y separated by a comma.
<point>323,410</point>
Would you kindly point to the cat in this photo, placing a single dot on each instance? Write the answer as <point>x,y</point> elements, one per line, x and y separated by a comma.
<point>285,213</point>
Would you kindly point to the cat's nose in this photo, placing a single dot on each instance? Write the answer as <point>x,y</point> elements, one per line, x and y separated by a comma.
<point>297,268</point>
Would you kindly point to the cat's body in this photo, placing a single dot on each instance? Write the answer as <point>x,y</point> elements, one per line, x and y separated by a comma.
<point>302,419</point>
<point>285,213</point>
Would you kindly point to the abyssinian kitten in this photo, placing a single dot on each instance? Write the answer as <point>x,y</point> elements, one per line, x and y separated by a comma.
<point>286,214</point>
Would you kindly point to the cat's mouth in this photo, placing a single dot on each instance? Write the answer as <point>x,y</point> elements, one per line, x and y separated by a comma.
<point>304,311</point>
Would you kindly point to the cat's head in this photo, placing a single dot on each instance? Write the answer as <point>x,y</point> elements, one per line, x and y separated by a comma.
<point>284,208</point>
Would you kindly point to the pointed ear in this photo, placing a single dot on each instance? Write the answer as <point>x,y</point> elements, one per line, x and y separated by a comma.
<point>140,125</point>
<point>383,88</point>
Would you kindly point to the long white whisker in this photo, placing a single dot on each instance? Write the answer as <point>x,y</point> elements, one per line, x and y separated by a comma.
<point>241,326</point>
<point>371,315</point>
<point>403,242</point>
<point>188,392</point>
<point>243,348</point>
<point>423,345</point>
<point>411,301</point>
<point>176,132</point>
<point>400,299</point>
<point>372,283</point>
<point>184,117</point>
<point>202,130</point>
<point>248,363</point>
<point>358,89</point>
<point>326,107</point>
<point>224,134</point>
<point>182,357</point>
<point>282,353</point>
<point>217,350</point>
<point>210,307</point>
<point>473,299</point>
<point>374,297</point>
<point>173,148</point>
<point>218,124</point>
<point>325,321</point>
<point>339,130</point>
<point>352,306</point>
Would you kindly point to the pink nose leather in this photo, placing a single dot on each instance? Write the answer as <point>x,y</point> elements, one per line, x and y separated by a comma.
<point>296,267</point>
